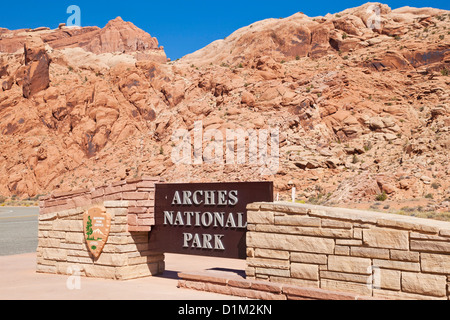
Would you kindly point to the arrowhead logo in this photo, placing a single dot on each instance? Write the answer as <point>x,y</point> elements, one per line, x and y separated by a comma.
<point>96,223</point>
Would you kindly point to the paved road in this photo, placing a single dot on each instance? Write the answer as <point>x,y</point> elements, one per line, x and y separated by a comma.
<point>18,230</point>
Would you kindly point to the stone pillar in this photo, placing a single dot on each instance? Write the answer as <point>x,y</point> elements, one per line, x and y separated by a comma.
<point>62,246</point>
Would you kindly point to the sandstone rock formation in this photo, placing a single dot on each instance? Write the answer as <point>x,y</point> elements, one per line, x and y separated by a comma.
<point>36,71</point>
<point>360,110</point>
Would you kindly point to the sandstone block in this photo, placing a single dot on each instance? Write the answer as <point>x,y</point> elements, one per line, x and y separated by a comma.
<point>325,223</point>
<point>290,242</point>
<point>272,272</point>
<point>268,263</point>
<point>135,196</point>
<point>388,279</point>
<point>264,217</point>
<point>427,284</point>
<point>404,255</point>
<point>74,237</point>
<point>434,246</point>
<point>297,221</point>
<point>112,259</point>
<point>96,271</point>
<point>49,243</point>
<point>309,258</point>
<point>318,294</point>
<point>369,252</point>
<point>342,250</point>
<point>435,263</point>
<point>349,264</point>
<point>116,204</point>
<point>395,295</point>
<point>268,253</point>
<point>383,238</point>
<point>305,271</point>
<point>397,265</point>
<point>406,225</point>
<point>55,254</point>
<point>324,274</point>
<point>349,242</point>
<point>358,288</point>
<point>307,231</point>
<point>68,225</point>
<point>137,271</point>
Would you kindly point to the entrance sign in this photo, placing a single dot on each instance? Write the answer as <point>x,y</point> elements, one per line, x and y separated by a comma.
<point>205,218</point>
<point>96,224</point>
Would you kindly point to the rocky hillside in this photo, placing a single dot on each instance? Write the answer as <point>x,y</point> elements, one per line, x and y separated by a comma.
<point>363,112</point>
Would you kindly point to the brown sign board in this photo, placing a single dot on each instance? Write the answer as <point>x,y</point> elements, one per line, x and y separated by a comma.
<point>207,219</point>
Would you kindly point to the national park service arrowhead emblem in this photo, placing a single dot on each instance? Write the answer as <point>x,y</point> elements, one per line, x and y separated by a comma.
<point>96,224</point>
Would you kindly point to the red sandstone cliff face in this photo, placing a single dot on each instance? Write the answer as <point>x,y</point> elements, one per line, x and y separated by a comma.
<point>361,111</point>
<point>117,36</point>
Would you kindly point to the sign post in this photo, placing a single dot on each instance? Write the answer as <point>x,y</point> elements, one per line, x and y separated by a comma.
<point>205,218</point>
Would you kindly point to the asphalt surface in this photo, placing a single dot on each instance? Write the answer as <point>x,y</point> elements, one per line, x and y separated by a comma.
<point>18,230</point>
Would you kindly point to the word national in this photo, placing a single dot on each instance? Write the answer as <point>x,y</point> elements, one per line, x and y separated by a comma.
<point>237,147</point>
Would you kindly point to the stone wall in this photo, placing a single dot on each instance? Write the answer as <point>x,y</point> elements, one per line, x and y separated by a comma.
<point>62,246</point>
<point>367,253</point>
<point>140,194</point>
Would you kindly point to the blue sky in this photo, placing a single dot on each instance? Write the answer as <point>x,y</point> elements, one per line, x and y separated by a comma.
<point>181,27</point>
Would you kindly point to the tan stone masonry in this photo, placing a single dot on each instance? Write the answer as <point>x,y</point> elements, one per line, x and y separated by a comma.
<point>361,252</point>
<point>62,246</point>
<point>297,246</point>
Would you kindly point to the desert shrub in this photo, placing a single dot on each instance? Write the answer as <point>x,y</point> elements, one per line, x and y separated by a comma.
<point>435,185</point>
<point>381,197</point>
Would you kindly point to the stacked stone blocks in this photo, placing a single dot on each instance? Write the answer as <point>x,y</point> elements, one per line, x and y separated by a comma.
<point>126,255</point>
<point>372,254</point>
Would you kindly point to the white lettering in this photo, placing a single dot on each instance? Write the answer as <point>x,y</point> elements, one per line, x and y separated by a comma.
<point>209,198</point>
<point>187,197</point>
<point>218,242</point>
<point>233,197</point>
<point>196,242</point>
<point>219,217</point>
<point>241,221</point>
<point>188,215</point>
<point>207,241</point>
<point>176,198</point>
<point>195,197</point>
<point>204,241</point>
<point>186,238</point>
<point>207,219</point>
<point>221,198</point>
<point>178,219</point>
<point>168,217</point>
<point>230,222</point>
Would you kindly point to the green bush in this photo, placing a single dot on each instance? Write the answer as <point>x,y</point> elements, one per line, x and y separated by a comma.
<point>381,196</point>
